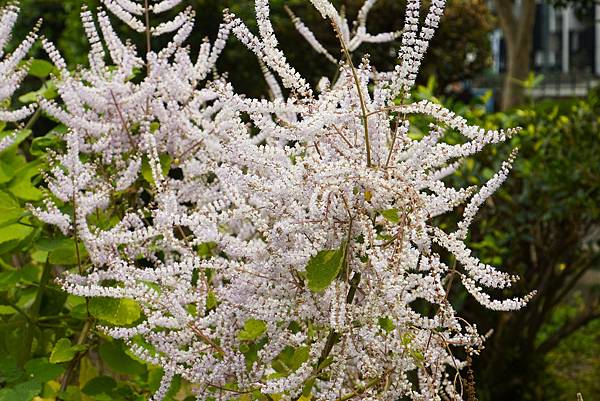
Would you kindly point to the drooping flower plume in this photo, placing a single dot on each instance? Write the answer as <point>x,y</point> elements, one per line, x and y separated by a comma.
<point>276,249</point>
<point>11,70</point>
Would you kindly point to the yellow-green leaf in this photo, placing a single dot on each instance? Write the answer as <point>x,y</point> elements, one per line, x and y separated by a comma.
<point>119,312</point>
<point>253,329</point>
<point>323,268</point>
<point>63,351</point>
<point>391,215</point>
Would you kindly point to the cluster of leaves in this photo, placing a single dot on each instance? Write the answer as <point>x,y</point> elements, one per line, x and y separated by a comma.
<point>542,225</point>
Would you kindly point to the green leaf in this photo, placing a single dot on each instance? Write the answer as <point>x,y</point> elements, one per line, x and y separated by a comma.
<point>8,394</point>
<point>41,370</point>
<point>9,278</point>
<point>67,255</point>
<point>328,361</point>
<point>48,91</point>
<point>253,329</point>
<point>72,393</point>
<point>31,273</point>
<point>16,232</point>
<point>323,268</point>
<point>307,389</point>
<point>211,300</point>
<point>250,351</point>
<point>63,351</point>
<point>10,210</point>
<point>391,215</point>
<point>165,164</point>
<point>417,356</point>
<point>386,324</point>
<point>21,392</point>
<point>115,357</point>
<point>39,256</point>
<point>40,145</point>
<point>50,244</point>
<point>77,307</point>
<point>22,187</point>
<point>206,249</point>
<point>87,371</point>
<point>9,370</point>
<point>292,358</point>
<point>61,250</point>
<point>6,310</point>
<point>11,161</point>
<point>118,312</point>
<point>6,173</point>
<point>100,387</point>
<point>40,68</point>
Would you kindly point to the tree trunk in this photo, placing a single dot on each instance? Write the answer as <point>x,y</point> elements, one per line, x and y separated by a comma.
<point>518,35</point>
<point>519,67</point>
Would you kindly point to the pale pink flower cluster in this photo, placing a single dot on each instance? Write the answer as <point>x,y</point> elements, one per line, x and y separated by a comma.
<point>277,246</point>
<point>11,72</point>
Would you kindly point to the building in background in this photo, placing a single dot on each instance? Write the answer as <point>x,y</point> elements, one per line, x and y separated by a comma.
<point>566,51</point>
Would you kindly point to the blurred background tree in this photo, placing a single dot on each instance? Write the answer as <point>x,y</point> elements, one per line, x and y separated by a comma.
<point>460,49</point>
<point>517,20</point>
<point>543,225</point>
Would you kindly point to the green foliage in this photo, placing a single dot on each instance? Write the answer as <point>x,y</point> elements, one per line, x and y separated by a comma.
<point>50,347</point>
<point>324,267</point>
<point>290,359</point>
<point>114,311</point>
<point>539,225</point>
<point>573,367</point>
<point>253,329</point>
<point>63,351</point>
<point>391,215</point>
<point>386,324</point>
<point>115,356</point>
<point>41,68</point>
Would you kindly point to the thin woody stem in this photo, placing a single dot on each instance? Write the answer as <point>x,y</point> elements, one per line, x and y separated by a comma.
<point>363,106</point>
<point>123,122</point>
<point>389,156</point>
<point>148,46</point>
<point>148,32</point>
<point>71,368</point>
<point>362,389</point>
<point>386,109</point>
<point>206,339</point>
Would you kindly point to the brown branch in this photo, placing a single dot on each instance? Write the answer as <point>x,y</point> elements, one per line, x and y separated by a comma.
<point>206,339</point>
<point>575,279</point>
<point>569,328</point>
<point>83,336</point>
<point>360,390</point>
<point>123,122</point>
<point>363,105</point>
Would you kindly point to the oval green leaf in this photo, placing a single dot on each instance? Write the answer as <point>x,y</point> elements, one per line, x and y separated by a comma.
<point>323,268</point>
